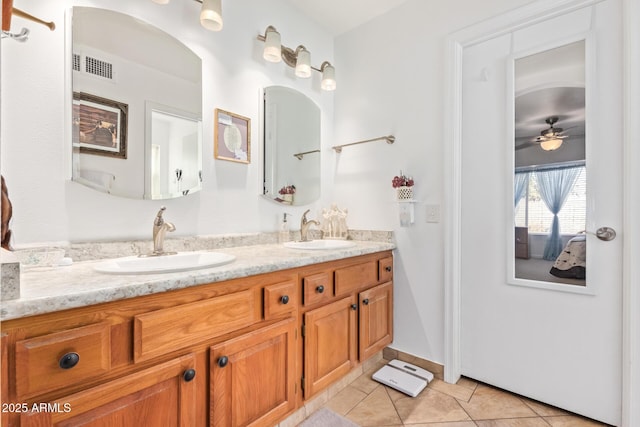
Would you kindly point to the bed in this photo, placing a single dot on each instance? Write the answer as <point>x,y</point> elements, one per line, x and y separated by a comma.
<point>572,262</point>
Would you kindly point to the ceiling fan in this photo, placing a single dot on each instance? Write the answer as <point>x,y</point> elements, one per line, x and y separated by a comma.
<point>550,139</point>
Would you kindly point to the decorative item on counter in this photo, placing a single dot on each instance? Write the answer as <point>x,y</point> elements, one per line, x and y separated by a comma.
<point>403,186</point>
<point>7,212</point>
<point>334,223</point>
<point>287,193</point>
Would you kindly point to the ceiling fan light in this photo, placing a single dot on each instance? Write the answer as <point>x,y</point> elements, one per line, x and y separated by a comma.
<point>551,144</point>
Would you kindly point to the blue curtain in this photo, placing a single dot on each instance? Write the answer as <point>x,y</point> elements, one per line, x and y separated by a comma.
<point>519,185</point>
<point>554,186</point>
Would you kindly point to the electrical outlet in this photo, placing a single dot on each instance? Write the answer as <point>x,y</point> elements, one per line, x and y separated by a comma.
<point>433,213</point>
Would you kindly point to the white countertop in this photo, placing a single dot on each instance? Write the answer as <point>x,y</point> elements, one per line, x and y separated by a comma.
<point>50,289</point>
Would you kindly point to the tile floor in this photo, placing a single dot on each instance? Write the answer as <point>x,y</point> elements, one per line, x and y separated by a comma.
<point>465,404</point>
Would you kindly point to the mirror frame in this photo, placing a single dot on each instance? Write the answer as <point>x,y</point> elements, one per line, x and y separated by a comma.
<point>589,46</point>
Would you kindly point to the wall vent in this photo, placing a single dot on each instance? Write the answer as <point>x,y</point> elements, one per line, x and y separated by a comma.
<point>98,67</point>
<point>76,62</point>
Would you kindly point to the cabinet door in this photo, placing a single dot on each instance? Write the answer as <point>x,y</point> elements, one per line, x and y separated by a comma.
<point>330,344</point>
<point>164,395</point>
<point>376,319</point>
<point>253,377</point>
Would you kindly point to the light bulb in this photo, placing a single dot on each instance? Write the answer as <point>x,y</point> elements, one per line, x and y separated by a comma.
<point>303,63</point>
<point>551,144</point>
<point>328,77</point>
<point>211,15</point>
<point>272,46</point>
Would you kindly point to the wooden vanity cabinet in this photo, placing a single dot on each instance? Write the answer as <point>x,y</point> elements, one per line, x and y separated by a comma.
<point>330,343</point>
<point>223,354</point>
<point>357,324</point>
<point>253,377</point>
<point>376,319</point>
<point>163,395</point>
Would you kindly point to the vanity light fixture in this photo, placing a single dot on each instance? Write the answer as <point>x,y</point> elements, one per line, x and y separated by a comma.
<point>210,13</point>
<point>551,144</point>
<point>328,76</point>
<point>299,59</point>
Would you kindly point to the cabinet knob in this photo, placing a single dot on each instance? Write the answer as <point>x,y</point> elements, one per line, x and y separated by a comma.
<point>69,360</point>
<point>189,374</point>
<point>284,299</point>
<point>354,307</point>
<point>222,362</point>
<point>365,301</point>
<point>320,289</point>
<point>388,268</point>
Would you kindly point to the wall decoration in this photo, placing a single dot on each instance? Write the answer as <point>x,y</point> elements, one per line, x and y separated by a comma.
<point>99,125</point>
<point>232,139</point>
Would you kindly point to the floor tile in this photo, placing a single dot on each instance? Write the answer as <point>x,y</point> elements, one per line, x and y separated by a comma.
<point>375,410</point>
<point>365,383</point>
<point>430,407</point>
<point>468,383</point>
<point>542,409</point>
<point>346,400</point>
<point>451,424</point>
<point>453,390</point>
<point>572,421</point>
<point>488,403</point>
<point>394,394</point>
<point>513,422</point>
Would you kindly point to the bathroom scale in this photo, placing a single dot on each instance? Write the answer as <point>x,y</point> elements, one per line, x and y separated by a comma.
<point>404,377</point>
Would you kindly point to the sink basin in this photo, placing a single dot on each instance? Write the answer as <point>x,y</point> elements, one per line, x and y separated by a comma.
<point>320,244</point>
<point>182,261</point>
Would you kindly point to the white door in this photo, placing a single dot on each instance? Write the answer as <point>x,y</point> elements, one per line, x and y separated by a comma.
<point>557,343</point>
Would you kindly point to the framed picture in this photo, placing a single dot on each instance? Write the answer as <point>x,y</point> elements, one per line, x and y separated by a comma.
<point>232,138</point>
<point>99,125</point>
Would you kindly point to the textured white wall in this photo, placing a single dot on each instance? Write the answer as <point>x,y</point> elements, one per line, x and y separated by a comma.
<point>49,208</point>
<point>391,80</point>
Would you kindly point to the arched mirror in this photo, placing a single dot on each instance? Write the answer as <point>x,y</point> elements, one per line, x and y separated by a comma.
<point>137,107</point>
<point>291,147</point>
<point>550,166</point>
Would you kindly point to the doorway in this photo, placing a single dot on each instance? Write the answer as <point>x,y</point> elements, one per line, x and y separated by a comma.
<point>557,346</point>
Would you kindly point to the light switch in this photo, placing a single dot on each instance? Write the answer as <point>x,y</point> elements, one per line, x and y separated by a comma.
<point>433,213</point>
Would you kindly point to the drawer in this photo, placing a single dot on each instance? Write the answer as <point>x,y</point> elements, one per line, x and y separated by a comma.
<point>351,279</point>
<point>279,299</point>
<point>385,269</point>
<point>163,331</point>
<point>62,359</point>
<point>317,288</point>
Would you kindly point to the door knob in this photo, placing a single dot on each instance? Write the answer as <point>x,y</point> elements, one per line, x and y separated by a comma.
<point>604,233</point>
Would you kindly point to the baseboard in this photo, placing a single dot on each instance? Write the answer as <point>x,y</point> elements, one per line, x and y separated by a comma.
<point>435,368</point>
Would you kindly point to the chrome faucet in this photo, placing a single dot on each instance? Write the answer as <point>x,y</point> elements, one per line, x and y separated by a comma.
<point>160,228</point>
<point>304,226</point>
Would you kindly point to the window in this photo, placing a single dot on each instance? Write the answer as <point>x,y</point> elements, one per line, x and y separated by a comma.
<point>532,212</point>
